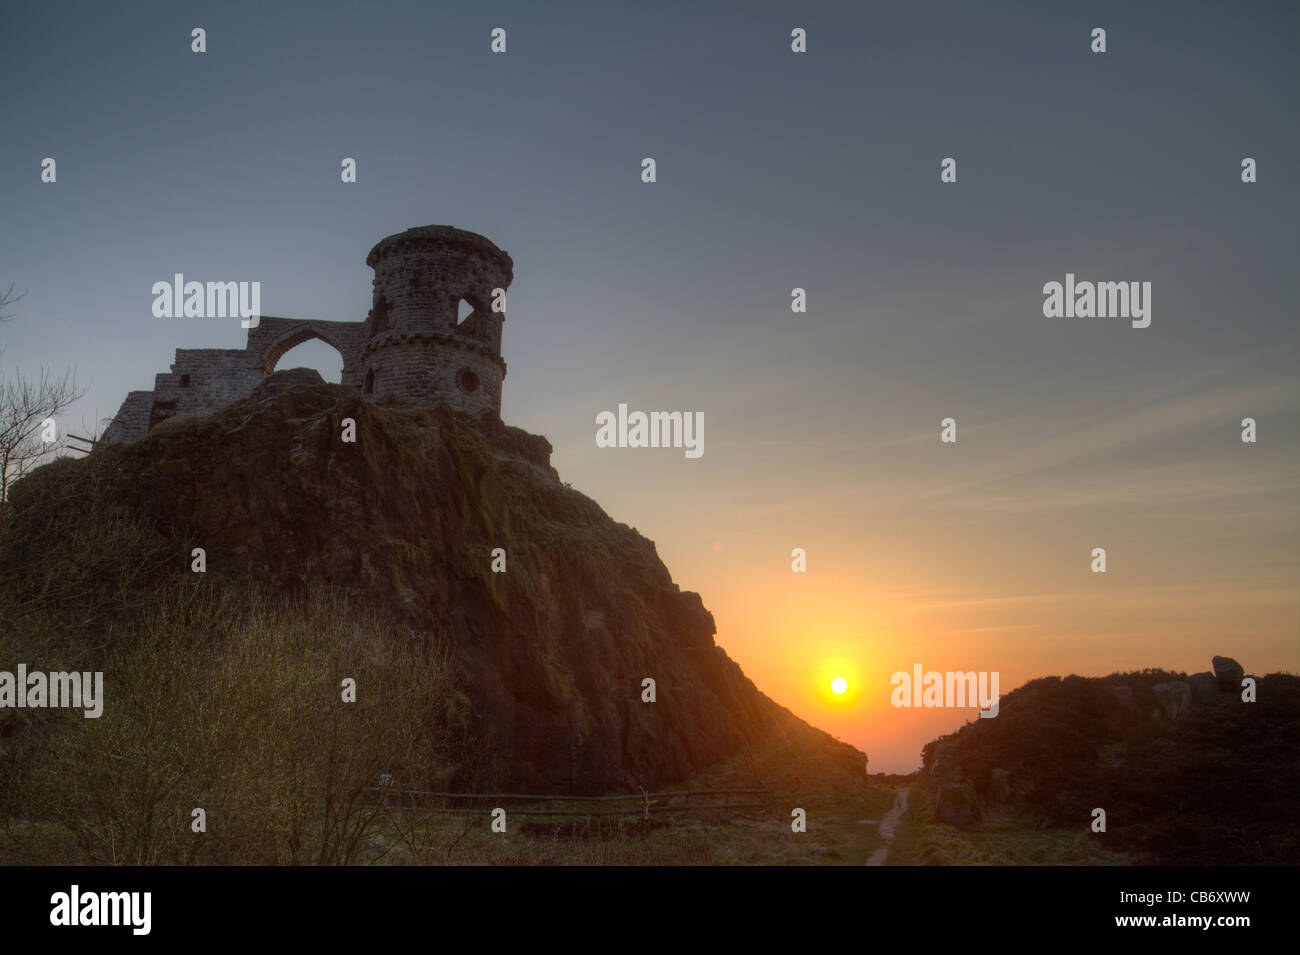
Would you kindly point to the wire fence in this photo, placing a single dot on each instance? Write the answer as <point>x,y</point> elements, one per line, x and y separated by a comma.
<point>683,800</point>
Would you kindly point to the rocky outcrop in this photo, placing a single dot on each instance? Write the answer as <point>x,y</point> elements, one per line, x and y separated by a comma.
<point>552,652</point>
<point>1228,672</point>
<point>1205,688</point>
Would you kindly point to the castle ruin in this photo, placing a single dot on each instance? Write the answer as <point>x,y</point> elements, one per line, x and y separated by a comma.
<point>412,345</point>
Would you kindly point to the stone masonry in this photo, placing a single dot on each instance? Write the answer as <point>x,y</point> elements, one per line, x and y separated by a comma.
<point>411,345</point>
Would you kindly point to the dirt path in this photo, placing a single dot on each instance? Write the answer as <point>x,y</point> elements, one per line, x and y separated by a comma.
<point>887,827</point>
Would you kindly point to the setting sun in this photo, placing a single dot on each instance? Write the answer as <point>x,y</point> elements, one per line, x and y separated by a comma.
<point>836,682</point>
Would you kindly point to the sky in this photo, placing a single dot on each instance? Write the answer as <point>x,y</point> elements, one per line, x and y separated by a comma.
<point>775,170</point>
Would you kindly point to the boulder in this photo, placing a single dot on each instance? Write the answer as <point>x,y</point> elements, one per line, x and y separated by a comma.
<point>1228,672</point>
<point>957,804</point>
<point>1205,688</point>
<point>1174,698</point>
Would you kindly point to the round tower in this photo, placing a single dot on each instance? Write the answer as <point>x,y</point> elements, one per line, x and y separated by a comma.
<point>432,334</point>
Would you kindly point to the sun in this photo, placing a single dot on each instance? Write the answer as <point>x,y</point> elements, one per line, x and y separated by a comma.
<point>837,682</point>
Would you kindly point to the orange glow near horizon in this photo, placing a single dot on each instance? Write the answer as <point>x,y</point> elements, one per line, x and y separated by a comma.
<point>975,556</point>
<point>795,634</point>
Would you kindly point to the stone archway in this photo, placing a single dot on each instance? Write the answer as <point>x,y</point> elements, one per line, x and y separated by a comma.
<point>272,355</point>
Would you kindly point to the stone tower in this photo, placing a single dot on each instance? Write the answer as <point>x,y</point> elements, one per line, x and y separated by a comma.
<point>417,345</point>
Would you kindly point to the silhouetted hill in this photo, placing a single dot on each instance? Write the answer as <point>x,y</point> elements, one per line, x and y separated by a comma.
<point>551,654</point>
<point>1186,772</point>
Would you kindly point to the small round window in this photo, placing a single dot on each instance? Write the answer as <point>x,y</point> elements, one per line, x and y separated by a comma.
<point>467,380</point>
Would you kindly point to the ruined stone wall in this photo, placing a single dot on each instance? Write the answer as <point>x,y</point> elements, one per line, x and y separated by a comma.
<point>131,420</point>
<point>202,380</point>
<point>411,345</point>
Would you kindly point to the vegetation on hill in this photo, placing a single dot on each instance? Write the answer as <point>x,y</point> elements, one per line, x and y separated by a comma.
<point>1215,786</point>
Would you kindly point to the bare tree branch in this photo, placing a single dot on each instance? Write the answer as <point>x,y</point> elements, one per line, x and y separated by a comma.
<point>25,407</point>
<point>7,299</point>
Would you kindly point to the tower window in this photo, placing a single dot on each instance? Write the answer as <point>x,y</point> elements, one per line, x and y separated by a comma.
<point>467,381</point>
<point>369,387</point>
<point>185,381</point>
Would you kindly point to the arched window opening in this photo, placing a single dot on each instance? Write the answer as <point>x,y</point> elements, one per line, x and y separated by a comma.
<point>316,354</point>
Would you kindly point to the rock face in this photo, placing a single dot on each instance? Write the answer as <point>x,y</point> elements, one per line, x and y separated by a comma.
<point>1228,672</point>
<point>552,652</point>
<point>1205,688</point>
<point>957,803</point>
<point>1174,698</point>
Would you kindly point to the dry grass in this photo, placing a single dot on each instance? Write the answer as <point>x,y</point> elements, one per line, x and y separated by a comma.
<point>749,838</point>
<point>236,709</point>
<point>1004,837</point>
